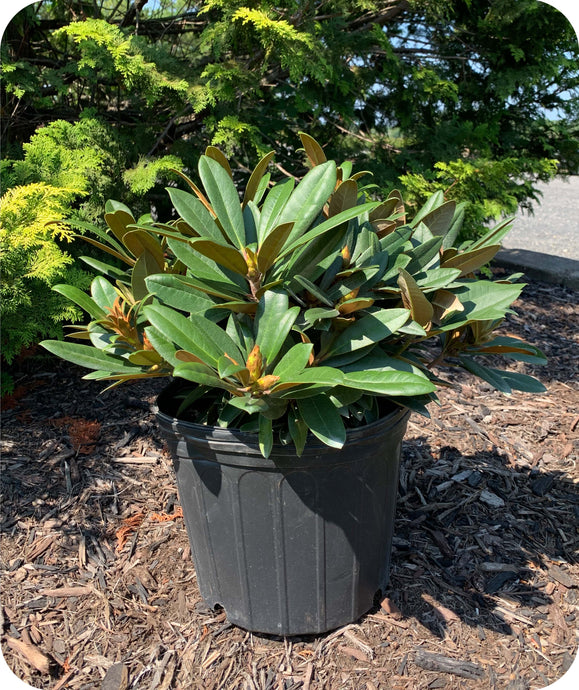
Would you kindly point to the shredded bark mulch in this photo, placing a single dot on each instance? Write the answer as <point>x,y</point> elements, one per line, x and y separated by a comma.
<point>99,590</point>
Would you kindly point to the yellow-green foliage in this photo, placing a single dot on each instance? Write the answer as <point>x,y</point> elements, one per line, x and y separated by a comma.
<point>31,261</point>
<point>82,158</point>
<point>96,39</point>
<point>490,188</point>
<point>148,172</point>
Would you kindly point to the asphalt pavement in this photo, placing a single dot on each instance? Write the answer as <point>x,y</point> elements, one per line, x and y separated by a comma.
<point>545,246</point>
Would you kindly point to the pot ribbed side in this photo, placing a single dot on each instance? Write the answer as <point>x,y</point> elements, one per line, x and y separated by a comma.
<point>288,545</point>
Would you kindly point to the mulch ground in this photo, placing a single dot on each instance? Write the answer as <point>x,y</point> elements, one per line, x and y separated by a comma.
<point>99,591</point>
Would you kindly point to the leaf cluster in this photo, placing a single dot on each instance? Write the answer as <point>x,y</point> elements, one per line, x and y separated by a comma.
<point>295,308</point>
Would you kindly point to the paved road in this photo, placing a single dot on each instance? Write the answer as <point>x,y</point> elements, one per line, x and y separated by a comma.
<point>554,229</point>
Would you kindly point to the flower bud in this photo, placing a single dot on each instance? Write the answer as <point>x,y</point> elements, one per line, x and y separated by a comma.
<point>266,382</point>
<point>254,363</point>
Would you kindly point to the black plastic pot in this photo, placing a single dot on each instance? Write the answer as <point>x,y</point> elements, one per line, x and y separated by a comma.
<point>287,545</point>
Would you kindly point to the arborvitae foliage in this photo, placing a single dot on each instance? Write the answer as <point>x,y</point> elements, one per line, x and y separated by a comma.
<point>396,85</point>
<point>32,260</point>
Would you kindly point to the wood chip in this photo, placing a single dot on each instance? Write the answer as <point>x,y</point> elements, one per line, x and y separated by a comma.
<point>390,619</point>
<point>308,676</point>
<point>389,607</point>
<point>491,499</point>
<point>438,662</point>
<point>116,678</point>
<point>543,484</point>
<point>38,547</point>
<point>68,591</point>
<point>500,579</point>
<point>557,616</point>
<point>132,460</point>
<point>442,612</point>
<point>351,651</point>
<point>30,654</point>
<point>495,567</point>
<point>561,576</point>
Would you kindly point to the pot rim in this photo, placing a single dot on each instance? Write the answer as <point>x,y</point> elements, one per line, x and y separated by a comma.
<point>245,442</point>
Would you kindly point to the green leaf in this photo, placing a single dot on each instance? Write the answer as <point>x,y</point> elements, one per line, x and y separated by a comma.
<point>492,376</point>
<point>400,383</point>
<point>272,245</point>
<point>248,404</point>
<point>314,290</point>
<point>122,256</point>
<point>112,206</point>
<point>439,220</point>
<point>205,272</point>
<point>226,367</point>
<point>299,433</point>
<point>139,241</point>
<point>174,291</point>
<point>261,190</point>
<point>224,199</point>
<point>265,436</point>
<point>162,345</point>
<point>273,205</point>
<point>82,299</point>
<point>316,376</point>
<point>200,373</point>
<point>145,266</point>
<point>273,321</point>
<point>309,198</point>
<point>294,361</point>
<point>433,201</point>
<point>103,293</point>
<point>105,236</point>
<point>522,382</point>
<point>369,330</point>
<point>145,358</point>
<point>422,255</point>
<point>323,419</point>
<point>483,300</point>
<point>326,225</point>
<point>312,315</point>
<point>106,269</point>
<point>456,225</point>
<point>197,335</point>
<point>472,260</point>
<point>256,177</point>
<point>378,360</point>
<point>194,213</point>
<point>88,356</point>
<point>316,257</point>
<point>250,223</point>
<point>190,398</point>
<point>494,236</point>
<point>223,254</point>
<point>105,340</point>
<point>396,240</point>
<point>436,278</point>
<point>241,332</point>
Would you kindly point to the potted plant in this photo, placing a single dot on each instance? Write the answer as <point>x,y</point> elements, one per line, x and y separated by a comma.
<point>300,326</point>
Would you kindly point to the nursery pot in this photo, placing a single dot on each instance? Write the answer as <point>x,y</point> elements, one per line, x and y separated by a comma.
<point>287,545</point>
